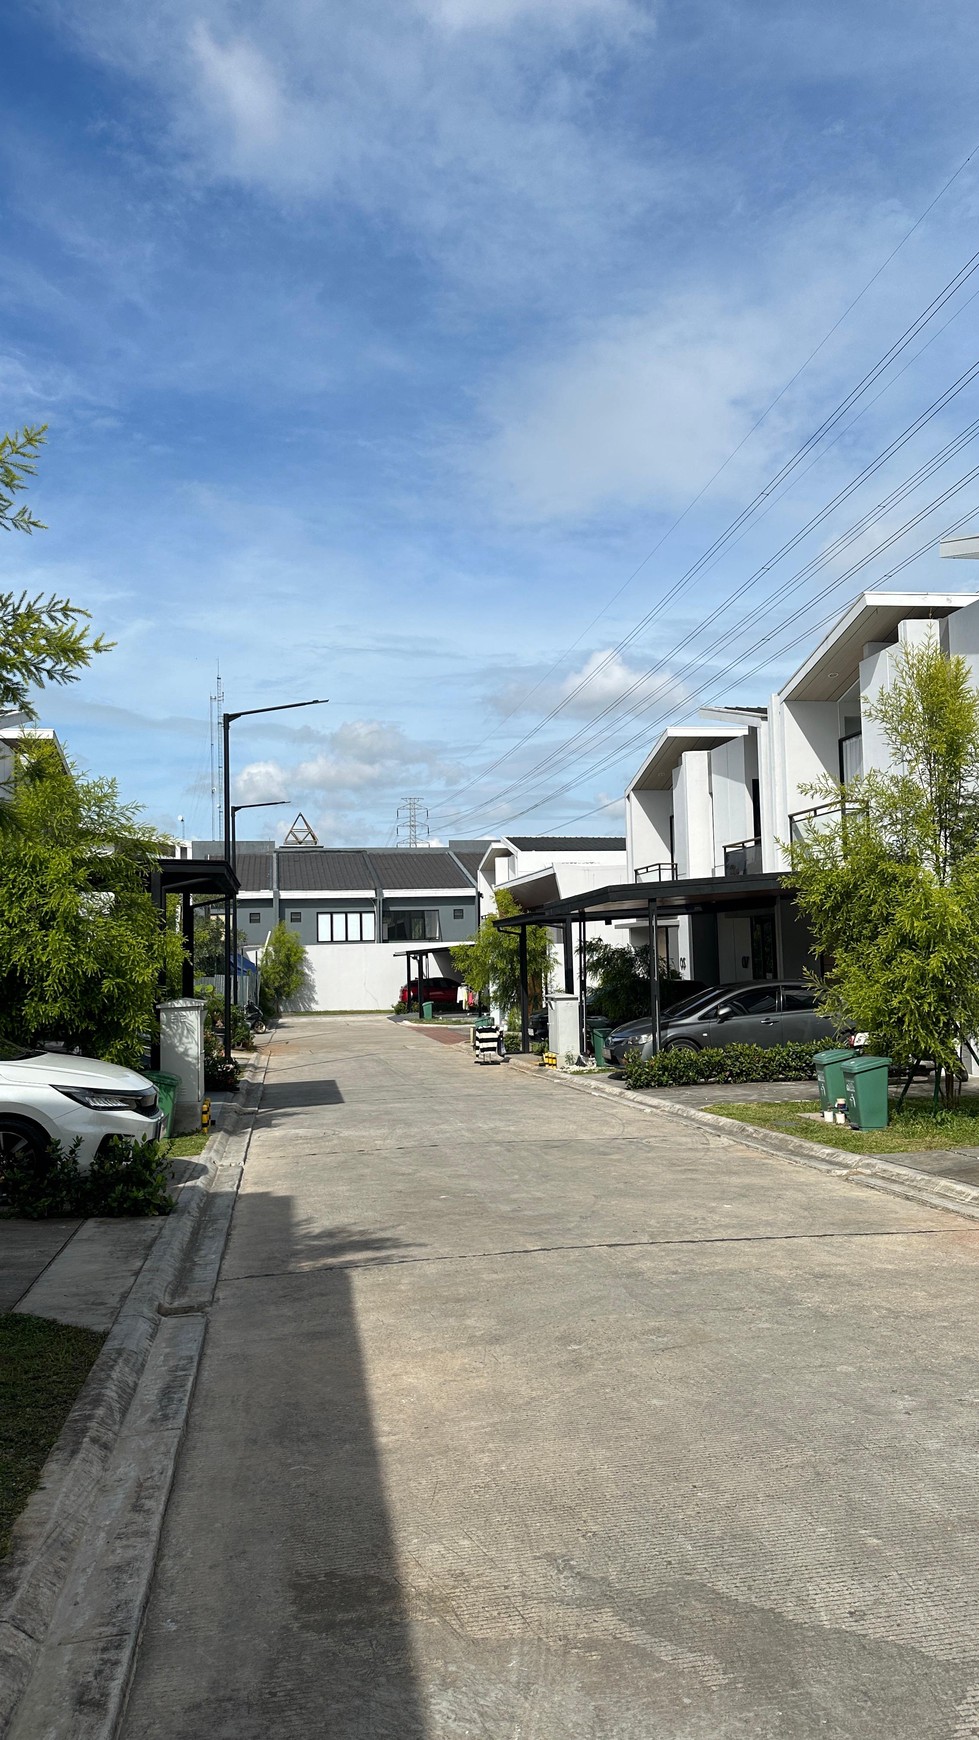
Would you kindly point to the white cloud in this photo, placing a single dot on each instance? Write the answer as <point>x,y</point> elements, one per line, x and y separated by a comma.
<point>241,87</point>
<point>363,755</point>
<point>604,678</point>
<point>645,408</point>
<point>459,123</point>
<point>559,15</point>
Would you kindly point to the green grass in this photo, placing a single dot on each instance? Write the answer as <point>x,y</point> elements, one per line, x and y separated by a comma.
<point>184,1147</point>
<point>42,1368</point>
<point>913,1128</point>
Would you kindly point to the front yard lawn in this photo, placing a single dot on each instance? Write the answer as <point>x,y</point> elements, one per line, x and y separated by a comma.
<point>185,1147</point>
<point>42,1368</point>
<point>913,1128</point>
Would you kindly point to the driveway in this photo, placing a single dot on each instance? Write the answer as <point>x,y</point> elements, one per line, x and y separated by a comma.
<point>527,1415</point>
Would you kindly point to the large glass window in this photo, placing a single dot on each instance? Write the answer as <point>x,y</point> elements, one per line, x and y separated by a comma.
<point>412,927</point>
<point>341,927</point>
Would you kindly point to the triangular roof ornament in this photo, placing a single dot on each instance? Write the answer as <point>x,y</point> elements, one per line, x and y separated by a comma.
<point>300,834</point>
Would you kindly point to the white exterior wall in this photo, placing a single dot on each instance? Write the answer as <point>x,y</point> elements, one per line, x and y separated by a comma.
<point>805,747</point>
<point>647,829</point>
<point>365,975</point>
<point>962,637</point>
<point>693,822</point>
<point>733,766</point>
<point>877,673</point>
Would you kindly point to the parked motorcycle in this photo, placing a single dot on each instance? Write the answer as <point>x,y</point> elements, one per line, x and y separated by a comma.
<point>255,1018</point>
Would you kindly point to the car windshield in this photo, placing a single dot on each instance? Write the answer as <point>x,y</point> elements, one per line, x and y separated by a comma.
<point>14,1053</point>
<point>691,1004</point>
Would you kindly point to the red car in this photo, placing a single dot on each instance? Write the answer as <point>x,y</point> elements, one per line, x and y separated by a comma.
<point>444,993</point>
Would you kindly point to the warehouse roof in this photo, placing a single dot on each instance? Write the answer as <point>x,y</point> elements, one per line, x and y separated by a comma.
<point>324,869</point>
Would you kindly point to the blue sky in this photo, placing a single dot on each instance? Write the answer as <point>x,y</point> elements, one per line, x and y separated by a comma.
<point>381,344</point>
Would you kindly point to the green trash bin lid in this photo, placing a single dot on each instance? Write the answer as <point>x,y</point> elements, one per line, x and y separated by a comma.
<point>832,1056</point>
<point>859,1064</point>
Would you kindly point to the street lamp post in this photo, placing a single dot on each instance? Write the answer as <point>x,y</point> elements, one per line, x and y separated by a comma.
<point>264,804</point>
<point>227,720</point>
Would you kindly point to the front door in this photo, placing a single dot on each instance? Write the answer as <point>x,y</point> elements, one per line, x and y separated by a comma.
<point>763,946</point>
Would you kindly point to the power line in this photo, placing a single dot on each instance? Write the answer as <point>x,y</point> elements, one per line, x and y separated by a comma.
<point>900,492</point>
<point>744,517</point>
<point>722,640</point>
<point>969,517</point>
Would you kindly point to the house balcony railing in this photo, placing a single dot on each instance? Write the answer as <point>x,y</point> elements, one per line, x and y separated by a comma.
<point>743,858</point>
<point>664,872</point>
<point>819,819</point>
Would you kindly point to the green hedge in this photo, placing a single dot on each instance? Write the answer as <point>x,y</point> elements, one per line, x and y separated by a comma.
<point>125,1178</point>
<point>683,1068</point>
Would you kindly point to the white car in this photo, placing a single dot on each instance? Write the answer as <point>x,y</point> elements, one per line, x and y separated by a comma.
<point>54,1096</point>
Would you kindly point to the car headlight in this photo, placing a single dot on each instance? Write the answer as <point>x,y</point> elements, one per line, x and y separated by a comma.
<point>98,1100</point>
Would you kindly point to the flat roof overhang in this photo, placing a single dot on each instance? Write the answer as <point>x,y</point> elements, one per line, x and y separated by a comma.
<point>656,772</point>
<point>632,901</point>
<point>194,876</point>
<point>835,665</point>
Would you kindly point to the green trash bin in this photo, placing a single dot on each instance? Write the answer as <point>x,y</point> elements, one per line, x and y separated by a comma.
<point>167,1088</point>
<point>829,1076</point>
<point>426,1011</point>
<point>865,1090</point>
<point>598,1041</point>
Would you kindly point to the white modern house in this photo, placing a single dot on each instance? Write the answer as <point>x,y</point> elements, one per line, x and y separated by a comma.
<point>541,867</point>
<point>720,800</point>
<point>712,808</point>
<point>357,911</point>
<point>18,731</point>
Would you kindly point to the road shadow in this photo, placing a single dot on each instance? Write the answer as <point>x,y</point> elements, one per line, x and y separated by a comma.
<point>297,1096</point>
<point>283,1550</point>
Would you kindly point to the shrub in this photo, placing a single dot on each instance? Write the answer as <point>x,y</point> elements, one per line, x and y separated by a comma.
<point>219,1072</point>
<point>125,1178</point>
<point>728,1063</point>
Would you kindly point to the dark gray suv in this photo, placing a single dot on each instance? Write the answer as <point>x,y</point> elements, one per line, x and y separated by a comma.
<point>765,1013</point>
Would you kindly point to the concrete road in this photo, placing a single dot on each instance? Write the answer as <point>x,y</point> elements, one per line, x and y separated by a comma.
<point>524,1416</point>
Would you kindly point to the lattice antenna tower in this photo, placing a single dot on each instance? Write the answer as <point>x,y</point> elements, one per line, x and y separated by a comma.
<point>215,710</point>
<point>412,823</point>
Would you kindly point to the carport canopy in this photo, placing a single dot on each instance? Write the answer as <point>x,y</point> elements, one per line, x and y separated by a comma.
<point>639,903</point>
<point>187,877</point>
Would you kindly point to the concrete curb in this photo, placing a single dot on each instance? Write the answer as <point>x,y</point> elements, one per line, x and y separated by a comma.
<point>874,1172</point>
<point>74,1587</point>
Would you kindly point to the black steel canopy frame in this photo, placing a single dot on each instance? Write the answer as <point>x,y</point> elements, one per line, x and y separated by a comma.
<point>187,877</point>
<point>633,902</point>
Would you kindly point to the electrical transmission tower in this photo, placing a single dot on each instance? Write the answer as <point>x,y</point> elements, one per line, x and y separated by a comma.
<point>412,826</point>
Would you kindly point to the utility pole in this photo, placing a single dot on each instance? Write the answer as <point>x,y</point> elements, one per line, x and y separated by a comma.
<point>230,940</point>
<point>412,823</point>
<point>215,711</point>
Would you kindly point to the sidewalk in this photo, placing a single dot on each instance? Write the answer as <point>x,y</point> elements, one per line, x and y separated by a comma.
<point>74,1584</point>
<point>81,1271</point>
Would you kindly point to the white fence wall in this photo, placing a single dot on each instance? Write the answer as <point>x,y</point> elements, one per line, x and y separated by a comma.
<point>363,975</point>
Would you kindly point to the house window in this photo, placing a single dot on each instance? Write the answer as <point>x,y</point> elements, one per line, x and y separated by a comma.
<point>412,927</point>
<point>340,927</point>
<point>254,918</point>
<point>457,912</point>
<point>295,918</point>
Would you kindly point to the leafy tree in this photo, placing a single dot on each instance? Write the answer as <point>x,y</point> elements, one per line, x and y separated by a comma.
<point>891,887</point>
<point>18,462</point>
<point>81,946</point>
<point>284,968</point>
<point>619,978</point>
<point>42,640</point>
<point>491,960</point>
<point>209,942</point>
